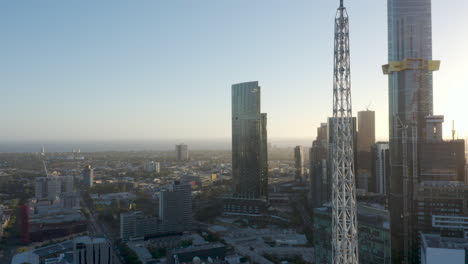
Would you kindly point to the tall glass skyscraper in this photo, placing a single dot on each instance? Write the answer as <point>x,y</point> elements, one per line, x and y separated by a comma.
<point>410,101</point>
<point>249,142</point>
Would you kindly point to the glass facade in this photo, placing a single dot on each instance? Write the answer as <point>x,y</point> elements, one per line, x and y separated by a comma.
<point>249,142</point>
<point>410,101</point>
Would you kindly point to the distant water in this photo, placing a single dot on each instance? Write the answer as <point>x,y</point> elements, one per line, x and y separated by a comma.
<point>99,146</point>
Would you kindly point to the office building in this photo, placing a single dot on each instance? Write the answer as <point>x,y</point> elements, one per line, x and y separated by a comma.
<point>51,187</point>
<point>436,249</point>
<point>152,166</point>
<point>373,234</point>
<point>441,207</point>
<point>182,153</point>
<point>88,176</point>
<point>40,188</point>
<point>365,141</point>
<point>135,225</point>
<point>175,207</point>
<point>70,200</point>
<point>96,250</point>
<point>366,130</point>
<point>409,70</point>
<point>440,160</point>
<point>249,142</point>
<point>67,184</point>
<point>379,181</point>
<point>299,163</point>
<point>319,178</point>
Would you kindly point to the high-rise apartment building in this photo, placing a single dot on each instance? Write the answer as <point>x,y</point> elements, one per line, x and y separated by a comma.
<point>319,177</point>
<point>175,207</point>
<point>249,142</point>
<point>88,176</point>
<point>366,130</point>
<point>365,140</point>
<point>96,250</point>
<point>380,158</point>
<point>409,70</point>
<point>299,163</point>
<point>182,153</point>
<point>54,187</point>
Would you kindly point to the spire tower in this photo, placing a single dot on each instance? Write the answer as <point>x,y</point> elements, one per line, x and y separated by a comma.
<point>344,215</point>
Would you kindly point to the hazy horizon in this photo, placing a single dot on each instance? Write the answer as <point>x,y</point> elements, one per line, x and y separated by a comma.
<point>132,70</point>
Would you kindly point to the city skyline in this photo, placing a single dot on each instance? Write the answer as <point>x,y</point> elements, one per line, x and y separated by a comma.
<point>100,76</point>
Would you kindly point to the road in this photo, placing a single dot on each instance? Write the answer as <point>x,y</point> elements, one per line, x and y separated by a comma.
<point>96,228</point>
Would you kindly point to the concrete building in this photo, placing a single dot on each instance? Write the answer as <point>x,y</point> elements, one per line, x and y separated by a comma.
<point>142,253</point>
<point>136,226</point>
<point>54,187</point>
<point>366,130</point>
<point>70,200</point>
<point>152,166</point>
<point>182,152</point>
<point>88,176</point>
<point>440,207</point>
<point>67,184</point>
<point>175,207</point>
<point>299,163</point>
<point>96,250</point>
<point>373,232</point>
<point>214,251</point>
<point>249,142</point>
<point>40,188</point>
<point>436,249</point>
<point>440,160</point>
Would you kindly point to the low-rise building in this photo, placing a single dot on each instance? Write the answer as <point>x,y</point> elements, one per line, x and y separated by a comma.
<point>436,249</point>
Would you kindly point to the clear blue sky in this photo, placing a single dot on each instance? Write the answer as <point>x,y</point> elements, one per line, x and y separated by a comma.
<point>120,69</point>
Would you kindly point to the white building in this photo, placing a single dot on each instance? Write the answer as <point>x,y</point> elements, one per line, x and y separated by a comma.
<point>96,250</point>
<point>152,166</point>
<point>443,250</point>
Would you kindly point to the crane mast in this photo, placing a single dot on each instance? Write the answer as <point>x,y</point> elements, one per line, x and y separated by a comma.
<point>344,215</point>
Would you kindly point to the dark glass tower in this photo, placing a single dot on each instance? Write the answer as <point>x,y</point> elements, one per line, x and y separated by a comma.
<point>249,142</point>
<point>410,101</point>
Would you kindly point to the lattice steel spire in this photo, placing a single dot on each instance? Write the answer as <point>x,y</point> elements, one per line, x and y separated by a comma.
<point>344,210</point>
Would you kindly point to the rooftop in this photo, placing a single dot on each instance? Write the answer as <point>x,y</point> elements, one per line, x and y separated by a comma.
<point>437,241</point>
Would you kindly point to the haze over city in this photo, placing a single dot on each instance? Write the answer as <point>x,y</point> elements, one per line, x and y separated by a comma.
<point>233,132</point>
<point>162,70</point>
